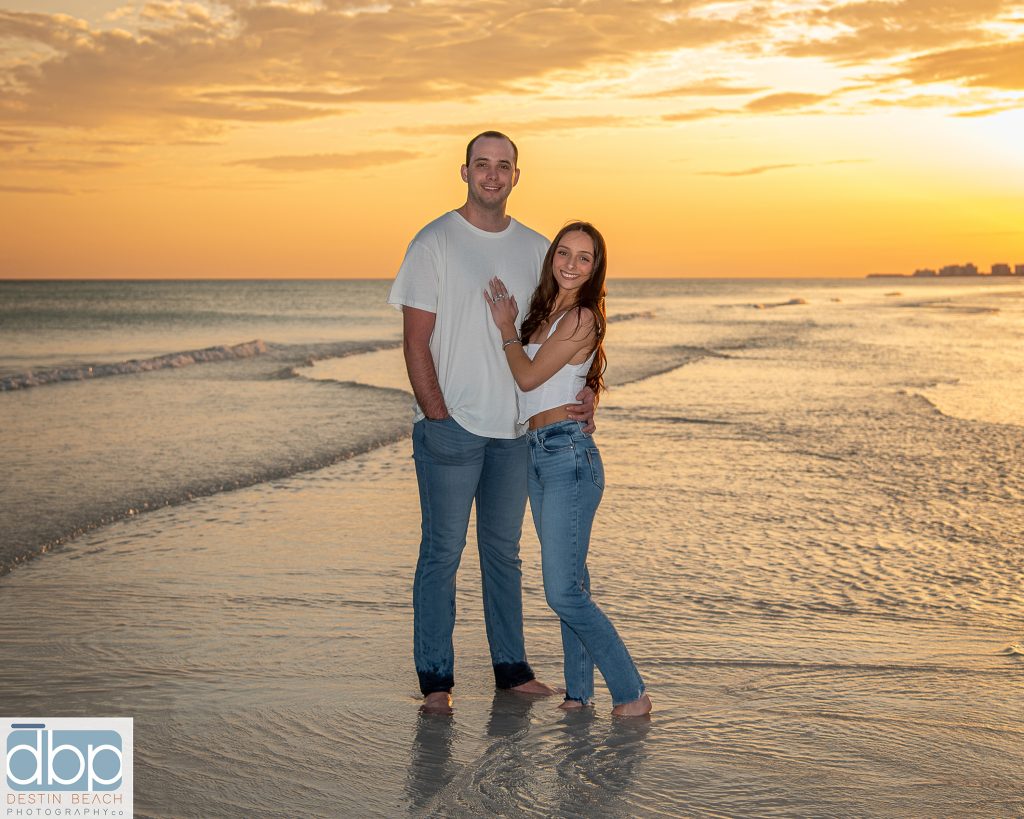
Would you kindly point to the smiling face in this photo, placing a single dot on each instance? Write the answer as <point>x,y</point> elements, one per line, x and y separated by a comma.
<point>491,173</point>
<point>573,261</point>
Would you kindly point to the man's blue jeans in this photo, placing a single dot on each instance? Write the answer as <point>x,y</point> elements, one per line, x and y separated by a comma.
<point>454,468</point>
<point>566,482</point>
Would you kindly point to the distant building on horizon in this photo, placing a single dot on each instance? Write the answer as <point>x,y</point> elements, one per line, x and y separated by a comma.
<point>969,269</point>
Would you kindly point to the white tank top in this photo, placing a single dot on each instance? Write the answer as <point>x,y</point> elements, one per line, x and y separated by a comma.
<point>558,390</point>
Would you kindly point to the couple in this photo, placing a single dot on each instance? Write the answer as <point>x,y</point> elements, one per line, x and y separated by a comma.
<point>477,381</point>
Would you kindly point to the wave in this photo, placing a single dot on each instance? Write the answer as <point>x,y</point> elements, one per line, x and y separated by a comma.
<point>186,358</point>
<point>630,316</point>
<point>657,361</point>
<point>125,508</point>
<point>951,306</point>
<point>770,305</point>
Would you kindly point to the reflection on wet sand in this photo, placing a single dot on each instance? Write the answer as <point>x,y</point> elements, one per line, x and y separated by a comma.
<point>535,760</point>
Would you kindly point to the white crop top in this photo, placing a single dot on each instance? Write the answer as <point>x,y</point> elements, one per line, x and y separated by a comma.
<point>558,390</point>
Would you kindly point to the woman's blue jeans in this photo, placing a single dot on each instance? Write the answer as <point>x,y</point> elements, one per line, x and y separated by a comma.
<point>566,481</point>
<point>454,469</point>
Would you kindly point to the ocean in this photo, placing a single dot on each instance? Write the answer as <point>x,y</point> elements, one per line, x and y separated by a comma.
<point>811,541</point>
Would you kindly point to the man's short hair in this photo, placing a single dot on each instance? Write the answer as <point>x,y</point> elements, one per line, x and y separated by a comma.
<point>492,135</point>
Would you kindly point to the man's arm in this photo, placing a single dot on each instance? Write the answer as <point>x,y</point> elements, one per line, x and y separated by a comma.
<point>584,412</point>
<point>417,327</point>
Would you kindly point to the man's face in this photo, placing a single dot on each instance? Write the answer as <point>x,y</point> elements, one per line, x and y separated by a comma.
<point>491,173</point>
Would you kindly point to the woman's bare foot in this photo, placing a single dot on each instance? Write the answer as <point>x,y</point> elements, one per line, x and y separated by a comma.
<point>572,705</point>
<point>636,708</point>
<point>437,702</point>
<point>535,686</point>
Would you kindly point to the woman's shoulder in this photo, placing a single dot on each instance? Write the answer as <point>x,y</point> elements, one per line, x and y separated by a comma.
<point>577,321</point>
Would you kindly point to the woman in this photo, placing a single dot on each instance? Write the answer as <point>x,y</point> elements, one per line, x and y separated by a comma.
<point>561,349</point>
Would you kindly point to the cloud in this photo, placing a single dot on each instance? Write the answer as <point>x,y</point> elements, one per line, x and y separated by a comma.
<point>760,169</point>
<point>704,88</point>
<point>64,165</point>
<point>34,189</point>
<point>515,129</point>
<point>328,162</point>
<point>992,66</point>
<point>987,112</point>
<point>179,68</point>
<point>271,62</point>
<point>886,29</point>
<point>285,94</point>
<point>749,171</point>
<point>693,116</point>
<point>783,102</point>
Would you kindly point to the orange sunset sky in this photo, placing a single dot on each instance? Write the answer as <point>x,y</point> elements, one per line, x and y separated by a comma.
<point>251,138</point>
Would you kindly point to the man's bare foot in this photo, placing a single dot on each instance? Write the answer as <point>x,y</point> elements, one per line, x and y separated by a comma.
<point>536,687</point>
<point>571,705</point>
<point>636,708</point>
<point>437,702</point>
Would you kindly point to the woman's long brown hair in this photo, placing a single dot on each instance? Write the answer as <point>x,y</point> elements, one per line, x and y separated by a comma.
<point>591,297</point>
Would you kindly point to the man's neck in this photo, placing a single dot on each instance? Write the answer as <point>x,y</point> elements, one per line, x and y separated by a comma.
<point>493,221</point>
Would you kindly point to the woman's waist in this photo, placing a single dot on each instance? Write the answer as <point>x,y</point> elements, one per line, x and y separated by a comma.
<point>557,426</point>
<point>552,417</point>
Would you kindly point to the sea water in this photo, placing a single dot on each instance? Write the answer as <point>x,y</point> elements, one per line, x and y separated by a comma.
<point>810,541</point>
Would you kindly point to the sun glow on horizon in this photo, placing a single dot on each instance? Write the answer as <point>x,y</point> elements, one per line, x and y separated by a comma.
<point>276,139</point>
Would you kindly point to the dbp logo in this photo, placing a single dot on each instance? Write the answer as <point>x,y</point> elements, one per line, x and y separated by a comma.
<point>68,755</point>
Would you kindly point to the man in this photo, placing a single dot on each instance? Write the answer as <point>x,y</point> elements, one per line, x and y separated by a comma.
<point>467,443</point>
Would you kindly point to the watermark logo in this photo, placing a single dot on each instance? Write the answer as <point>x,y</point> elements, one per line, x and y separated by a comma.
<point>66,767</point>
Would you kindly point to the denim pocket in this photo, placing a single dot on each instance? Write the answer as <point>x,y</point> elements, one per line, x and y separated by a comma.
<point>558,442</point>
<point>596,467</point>
<point>441,441</point>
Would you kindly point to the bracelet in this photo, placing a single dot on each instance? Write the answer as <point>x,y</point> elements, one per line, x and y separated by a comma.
<point>509,341</point>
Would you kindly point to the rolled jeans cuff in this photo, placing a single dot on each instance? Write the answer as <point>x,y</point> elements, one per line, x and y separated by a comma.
<point>432,683</point>
<point>509,675</point>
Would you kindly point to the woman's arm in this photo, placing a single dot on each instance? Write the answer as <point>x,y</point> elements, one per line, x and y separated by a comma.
<point>567,342</point>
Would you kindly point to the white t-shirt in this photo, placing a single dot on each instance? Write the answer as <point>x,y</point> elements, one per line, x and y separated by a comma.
<point>445,271</point>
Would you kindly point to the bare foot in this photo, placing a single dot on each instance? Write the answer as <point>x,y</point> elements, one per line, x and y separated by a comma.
<point>536,687</point>
<point>636,708</point>
<point>571,705</point>
<point>437,702</point>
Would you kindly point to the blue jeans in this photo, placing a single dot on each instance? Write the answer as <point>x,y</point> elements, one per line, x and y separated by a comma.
<point>566,481</point>
<point>454,468</point>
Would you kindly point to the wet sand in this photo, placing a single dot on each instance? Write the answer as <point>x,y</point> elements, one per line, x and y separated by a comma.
<point>261,640</point>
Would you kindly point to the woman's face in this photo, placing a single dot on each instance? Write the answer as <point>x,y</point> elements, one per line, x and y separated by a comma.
<point>573,261</point>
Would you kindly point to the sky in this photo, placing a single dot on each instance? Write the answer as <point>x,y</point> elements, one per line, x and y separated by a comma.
<point>257,139</point>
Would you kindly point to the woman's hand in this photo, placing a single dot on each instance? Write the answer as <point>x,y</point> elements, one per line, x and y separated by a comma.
<point>504,309</point>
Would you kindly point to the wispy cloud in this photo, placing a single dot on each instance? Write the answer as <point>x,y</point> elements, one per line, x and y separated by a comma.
<point>749,171</point>
<point>35,189</point>
<point>987,112</point>
<point>327,162</point>
<point>760,169</point>
<point>784,102</point>
<point>64,166</point>
<point>694,116</point>
<point>519,127</point>
<point>993,66</point>
<point>885,29</point>
<point>704,88</point>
